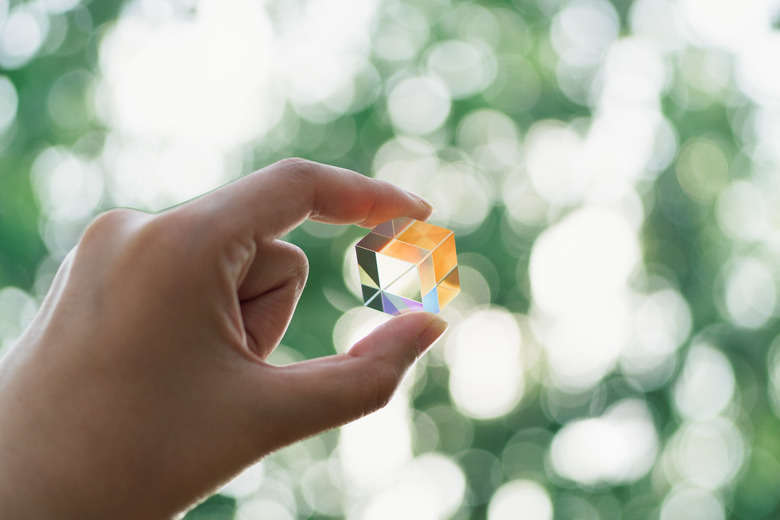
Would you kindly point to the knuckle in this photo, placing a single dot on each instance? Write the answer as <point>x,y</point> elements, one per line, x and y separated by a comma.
<point>297,169</point>
<point>297,164</point>
<point>109,247</point>
<point>131,235</point>
<point>384,380</point>
<point>112,219</point>
<point>108,227</point>
<point>299,268</point>
<point>294,267</point>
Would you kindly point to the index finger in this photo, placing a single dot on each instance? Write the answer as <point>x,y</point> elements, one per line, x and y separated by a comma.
<point>274,200</point>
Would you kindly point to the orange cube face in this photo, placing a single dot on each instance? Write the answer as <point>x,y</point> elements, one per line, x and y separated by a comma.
<point>408,265</point>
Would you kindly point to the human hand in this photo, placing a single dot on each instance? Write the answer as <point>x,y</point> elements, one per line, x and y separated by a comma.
<point>141,386</point>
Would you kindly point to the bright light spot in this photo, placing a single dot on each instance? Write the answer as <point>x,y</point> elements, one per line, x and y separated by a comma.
<point>313,81</point>
<point>555,162</point>
<point>618,447</point>
<point>68,187</point>
<point>707,71</point>
<point>221,90</point>
<point>725,23</point>
<point>706,385</point>
<point>357,323</point>
<point>246,483</point>
<point>579,271</point>
<point>407,161</point>
<point>743,212</point>
<point>475,22</point>
<point>754,76</point>
<point>349,271</point>
<point>582,261</point>
<point>323,53</point>
<point>581,33</point>
<point>486,382</point>
<point>418,105</point>
<point>430,487</point>
<point>475,290</point>
<point>402,34</point>
<point>634,72</point>
<point>762,130</point>
<point>692,504</point>
<point>59,6</point>
<point>9,102</point>
<point>264,508</point>
<point>750,296</point>
<point>665,147</point>
<point>17,309</point>
<point>491,139</point>
<point>625,143</point>
<point>583,347</point>
<point>58,32</point>
<point>702,169</point>
<point>322,487</point>
<point>583,30</point>
<point>658,22</point>
<point>465,68</point>
<point>524,499</point>
<point>22,35</point>
<point>522,201</point>
<point>151,176</point>
<point>60,236</point>
<point>662,322</point>
<point>706,454</point>
<point>375,449</point>
<point>461,196</point>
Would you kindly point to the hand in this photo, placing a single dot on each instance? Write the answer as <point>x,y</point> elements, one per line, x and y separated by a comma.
<point>141,386</point>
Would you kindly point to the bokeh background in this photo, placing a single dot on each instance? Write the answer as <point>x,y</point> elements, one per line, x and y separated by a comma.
<point>610,170</point>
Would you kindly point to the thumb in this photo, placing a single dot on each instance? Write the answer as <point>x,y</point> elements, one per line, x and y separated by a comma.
<point>320,394</point>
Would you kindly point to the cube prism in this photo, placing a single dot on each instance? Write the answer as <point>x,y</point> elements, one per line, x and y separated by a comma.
<point>408,265</point>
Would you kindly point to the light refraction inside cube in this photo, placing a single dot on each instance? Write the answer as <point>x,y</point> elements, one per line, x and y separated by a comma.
<point>408,265</point>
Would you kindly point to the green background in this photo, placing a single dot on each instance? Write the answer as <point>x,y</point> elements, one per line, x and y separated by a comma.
<point>706,229</point>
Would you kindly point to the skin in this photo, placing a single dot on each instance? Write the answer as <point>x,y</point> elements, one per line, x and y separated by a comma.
<point>141,386</point>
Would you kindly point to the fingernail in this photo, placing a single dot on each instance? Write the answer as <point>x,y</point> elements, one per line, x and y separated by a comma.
<point>432,332</point>
<point>427,205</point>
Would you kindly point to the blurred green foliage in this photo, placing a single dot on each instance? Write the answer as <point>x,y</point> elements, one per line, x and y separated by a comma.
<point>685,236</point>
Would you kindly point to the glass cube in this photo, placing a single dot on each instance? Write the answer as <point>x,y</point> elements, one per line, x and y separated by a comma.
<point>408,265</point>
